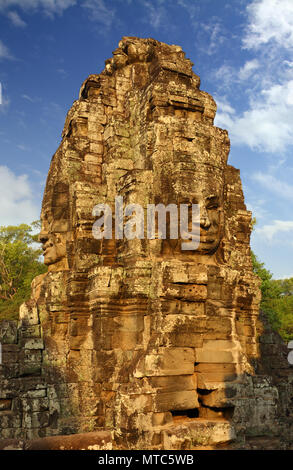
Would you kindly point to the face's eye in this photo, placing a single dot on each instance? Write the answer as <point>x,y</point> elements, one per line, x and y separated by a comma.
<point>214,205</point>
<point>212,202</point>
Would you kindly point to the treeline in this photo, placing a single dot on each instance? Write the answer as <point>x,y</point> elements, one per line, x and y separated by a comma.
<point>277,299</point>
<point>20,262</point>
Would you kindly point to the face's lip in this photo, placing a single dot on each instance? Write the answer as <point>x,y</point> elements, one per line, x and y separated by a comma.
<point>46,248</point>
<point>45,253</point>
<point>203,239</point>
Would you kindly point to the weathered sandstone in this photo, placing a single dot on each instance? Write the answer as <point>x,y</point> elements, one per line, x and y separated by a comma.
<point>164,348</point>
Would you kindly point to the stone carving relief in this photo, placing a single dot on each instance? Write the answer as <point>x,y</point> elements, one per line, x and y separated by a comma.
<point>139,334</point>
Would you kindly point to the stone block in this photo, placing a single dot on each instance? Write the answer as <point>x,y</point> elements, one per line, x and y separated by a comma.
<point>184,330</point>
<point>5,404</point>
<point>8,419</point>
<point>173,384</point>
<point>28,314</point>
<point>214,356</point>
<point>183,400</point>
<point>126,340</point>
<point>160,419</point>
<point>171,361</point>
<point>32,343</point>
<point>8,332</point>
<point>223,397</point>
<point>192,292</point>
<point>30,368</point>
<point>215,373</point>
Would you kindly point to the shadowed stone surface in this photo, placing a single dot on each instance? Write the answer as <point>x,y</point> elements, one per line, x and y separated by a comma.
<point>161,346</point>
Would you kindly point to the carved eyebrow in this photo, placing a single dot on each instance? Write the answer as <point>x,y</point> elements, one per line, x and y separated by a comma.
<point>213,196</point>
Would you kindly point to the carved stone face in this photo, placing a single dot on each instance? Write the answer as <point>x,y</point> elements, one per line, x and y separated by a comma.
<point>55,226</point>
<point>54,242</point>
<point>210,202</point>
<point>211,223</point>
<point>54,247</point>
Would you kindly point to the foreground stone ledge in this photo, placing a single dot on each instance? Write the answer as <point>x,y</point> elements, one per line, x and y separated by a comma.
<point>186,434</point>
<point>98,440</point>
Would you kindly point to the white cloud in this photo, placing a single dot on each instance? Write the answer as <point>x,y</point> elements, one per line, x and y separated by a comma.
<point>225,76</point>
<point>277,227</point>
<point>23,148</point>
<point>62,72</point>
<point>16,19</point>
<point>228,76</point>
<point>49,7</point>
<point>270,182</point>
<point>225,107</point>
<point>257,208</point>
<point>248,68</point>
<point>99,12</point>
<point>288,63</point>
<point>156,13</point>
<point>215,35</point>
<point>28,98</point>
<point>4,100</point>
<point>266,124</point>
<point>17,203</point>
<point>193,10</point>
<point>4,51</point>
<point>269,21</point>
<point>225,114</point>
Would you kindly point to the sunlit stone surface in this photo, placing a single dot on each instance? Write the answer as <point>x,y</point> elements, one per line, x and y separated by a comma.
<point>160,345</point>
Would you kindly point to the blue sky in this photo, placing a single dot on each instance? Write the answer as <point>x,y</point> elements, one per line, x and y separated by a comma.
<point>242,50</point>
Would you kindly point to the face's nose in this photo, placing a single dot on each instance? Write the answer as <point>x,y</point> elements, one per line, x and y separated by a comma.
<point>204,218</point>
<point>43,237</point>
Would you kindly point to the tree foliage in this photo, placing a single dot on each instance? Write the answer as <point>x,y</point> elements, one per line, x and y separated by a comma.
<point>19,264</point>
<point>277,299</point>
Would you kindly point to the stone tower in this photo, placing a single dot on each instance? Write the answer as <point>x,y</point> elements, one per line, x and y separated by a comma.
<point>156,344</point>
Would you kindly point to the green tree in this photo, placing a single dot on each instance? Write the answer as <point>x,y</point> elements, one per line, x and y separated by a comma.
<point>269,288</point>
<point>283,309</point>
<point>277,299</point>
<point>269,291</point>
<point>19,264</point>
<point>285,285</point>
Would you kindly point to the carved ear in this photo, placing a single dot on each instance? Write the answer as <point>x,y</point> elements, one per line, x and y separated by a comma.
<point>60,201</point>
<point>223,252</point>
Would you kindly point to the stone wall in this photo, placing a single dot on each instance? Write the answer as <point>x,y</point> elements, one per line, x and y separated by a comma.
<point>24,398</point>
<point>160,346</point>
<point>30,409</point>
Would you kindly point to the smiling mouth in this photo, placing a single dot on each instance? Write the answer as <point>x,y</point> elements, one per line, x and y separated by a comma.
<point>206,240</point>
<point>202,239</point>
<point>45,251</point>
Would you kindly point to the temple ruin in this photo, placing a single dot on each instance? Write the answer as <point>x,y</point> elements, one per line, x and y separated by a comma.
<point>136,343</point>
